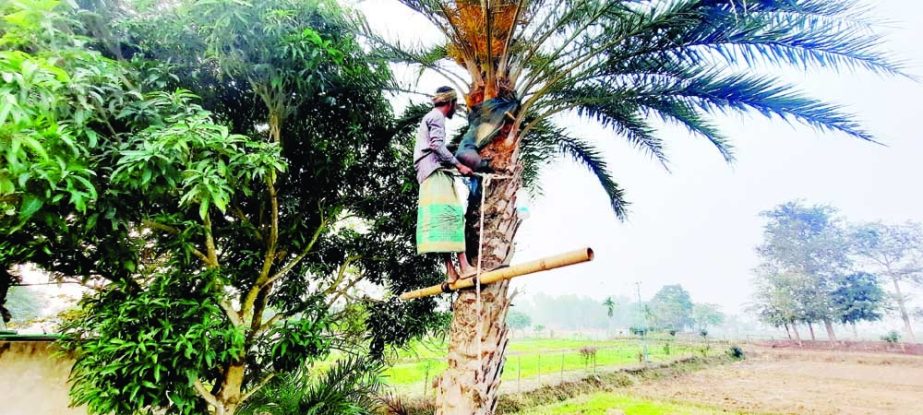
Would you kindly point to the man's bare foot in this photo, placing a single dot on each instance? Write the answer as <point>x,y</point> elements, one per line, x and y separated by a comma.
<point>468,272</point>
<point>451,276</point>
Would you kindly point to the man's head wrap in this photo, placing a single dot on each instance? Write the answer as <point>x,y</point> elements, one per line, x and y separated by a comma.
<point>444,97</point>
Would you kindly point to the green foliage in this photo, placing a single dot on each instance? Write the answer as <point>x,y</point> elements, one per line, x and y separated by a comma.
<point>893,337</point>
<point>229,238</point>
<point>809,240</point>
<point>671,308</point>
<point>707,315</point>
<point>736,353</point>
<point>349,387</point>
<point>518,320</point>
<point>140,351</point>
<point>804,251</point>
<point>54,97</point>
<point>858,297</point>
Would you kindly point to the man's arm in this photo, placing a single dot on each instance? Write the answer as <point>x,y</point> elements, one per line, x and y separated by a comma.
<point>437,143</point>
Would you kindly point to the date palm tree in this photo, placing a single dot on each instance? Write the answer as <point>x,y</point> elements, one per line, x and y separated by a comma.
<point>627,65</point>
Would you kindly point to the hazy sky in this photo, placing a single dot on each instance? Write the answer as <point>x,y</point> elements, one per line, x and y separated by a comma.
<point>698,224</point>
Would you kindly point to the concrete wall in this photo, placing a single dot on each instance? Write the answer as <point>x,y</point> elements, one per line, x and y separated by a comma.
<point>32,380</point>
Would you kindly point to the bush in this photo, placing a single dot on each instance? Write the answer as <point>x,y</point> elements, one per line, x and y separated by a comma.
<point>736,353</point>
<point>892,337</point>
<point>350,387</point>
<point>638,331</point>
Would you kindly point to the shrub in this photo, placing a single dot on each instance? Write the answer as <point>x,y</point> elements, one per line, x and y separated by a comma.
<point>892,337</point>
<point>736,353</point>
<point>349,387</point>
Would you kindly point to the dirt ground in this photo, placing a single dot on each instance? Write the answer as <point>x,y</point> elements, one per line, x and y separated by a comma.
<point>792,381</point>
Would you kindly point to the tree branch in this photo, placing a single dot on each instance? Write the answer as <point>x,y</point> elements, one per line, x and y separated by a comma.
<point>229,310</point>
<point>175,231</point>
<point>210,242</point>
<point>205,393</point>
<point>242,217</point>
<point>269,258</point>
<point>268,324</point>
<point>256,388</point>
<point>295,261</point>
<point>343,292</point>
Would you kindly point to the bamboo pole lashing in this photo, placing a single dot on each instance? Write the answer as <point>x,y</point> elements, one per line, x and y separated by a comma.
<point>514,271</point>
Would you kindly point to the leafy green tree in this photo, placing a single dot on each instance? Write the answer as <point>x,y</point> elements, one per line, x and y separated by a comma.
<point>894,252</point>
<point>707,315</point>
<point>671,308</point>
<point>229,238</point>
<point>858,297</point>
<point>809,244</point>
<point>623,65</point>
<point>775,301</point>
<point>518,320</point>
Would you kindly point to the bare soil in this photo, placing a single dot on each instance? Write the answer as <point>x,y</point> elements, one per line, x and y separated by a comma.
<point>850,346</point>
<point>798,381</point>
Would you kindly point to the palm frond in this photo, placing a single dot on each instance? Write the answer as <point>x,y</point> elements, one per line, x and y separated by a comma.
<point>673,110</point>
<point>766,95</point>
<point>547,143</point>
<point>615,110</point>
<point>349,387</point>
<point>624,64</point>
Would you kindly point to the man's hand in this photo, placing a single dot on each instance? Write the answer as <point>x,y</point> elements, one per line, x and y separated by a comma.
<point>464,170</point>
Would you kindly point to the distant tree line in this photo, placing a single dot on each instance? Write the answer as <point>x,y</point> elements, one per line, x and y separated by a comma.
<point>817,268</point>
<point>670,310</point>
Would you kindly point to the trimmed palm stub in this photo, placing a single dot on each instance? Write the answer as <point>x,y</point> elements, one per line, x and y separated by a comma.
<point>629,66</point>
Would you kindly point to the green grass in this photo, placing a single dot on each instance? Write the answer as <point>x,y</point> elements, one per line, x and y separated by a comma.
<point>531,356</point>
<point>602,403</point>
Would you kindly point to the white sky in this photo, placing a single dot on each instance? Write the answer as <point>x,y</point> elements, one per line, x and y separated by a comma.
<point>698,225</point>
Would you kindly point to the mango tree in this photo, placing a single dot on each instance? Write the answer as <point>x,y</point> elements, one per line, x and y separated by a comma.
<point>224,196</point>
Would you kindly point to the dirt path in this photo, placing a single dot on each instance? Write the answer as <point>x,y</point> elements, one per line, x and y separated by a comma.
<point>802,382</point>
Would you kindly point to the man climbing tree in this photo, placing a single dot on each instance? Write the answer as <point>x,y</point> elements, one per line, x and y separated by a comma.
<point>440,219</point>
<point>625,65</point>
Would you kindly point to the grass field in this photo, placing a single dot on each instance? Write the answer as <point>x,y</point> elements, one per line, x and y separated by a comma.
<point>607,403</point>
<point>530,357</point>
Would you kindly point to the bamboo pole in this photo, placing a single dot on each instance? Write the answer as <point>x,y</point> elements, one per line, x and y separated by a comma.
<point>544,264</point>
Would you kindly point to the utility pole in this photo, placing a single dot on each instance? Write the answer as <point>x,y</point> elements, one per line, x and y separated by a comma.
<point>647,358</point>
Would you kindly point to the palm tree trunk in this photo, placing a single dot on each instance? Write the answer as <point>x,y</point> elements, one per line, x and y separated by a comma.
<point>811,328</point>
<point>908,329</point>
<point>855,333</point>
<point>471,383</point>
<point>787,331</point>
